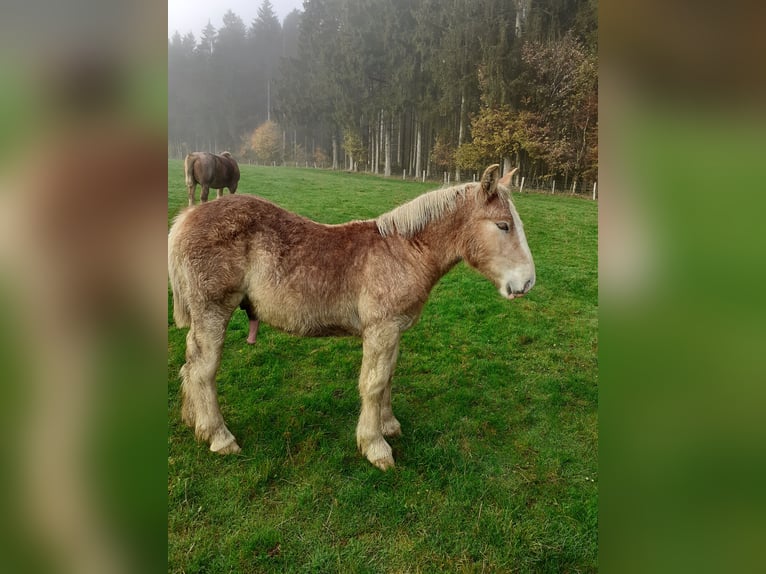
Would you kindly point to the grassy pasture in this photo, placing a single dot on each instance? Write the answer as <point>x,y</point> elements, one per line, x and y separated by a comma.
<point>497,466</point>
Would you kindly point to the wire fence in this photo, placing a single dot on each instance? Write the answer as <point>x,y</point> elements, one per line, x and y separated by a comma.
<point>555,186</point>
<point>582,188</point>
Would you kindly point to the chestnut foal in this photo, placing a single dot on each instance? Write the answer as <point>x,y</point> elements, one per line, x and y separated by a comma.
<point>364,278</point>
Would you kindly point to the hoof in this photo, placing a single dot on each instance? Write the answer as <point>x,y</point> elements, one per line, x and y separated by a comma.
<point>231,448</point>
<point>379,454</point>
<point>384,463</point>
<point>391,428</point>
<point>224,443</point>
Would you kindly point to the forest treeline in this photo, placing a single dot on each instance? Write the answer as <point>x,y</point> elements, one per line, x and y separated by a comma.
<point>392,85</point>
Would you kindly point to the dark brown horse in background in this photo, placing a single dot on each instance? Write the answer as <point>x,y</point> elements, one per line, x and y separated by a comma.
<point>210,170</point>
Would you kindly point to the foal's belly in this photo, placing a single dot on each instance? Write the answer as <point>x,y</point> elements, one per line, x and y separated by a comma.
<point>314,329</point>
<point>329,331</point>
<point>308,322</point>
<point>308,310</point>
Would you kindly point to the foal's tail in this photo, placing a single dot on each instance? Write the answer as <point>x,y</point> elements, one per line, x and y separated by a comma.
<point>176,270</point>
<point>189,169</point>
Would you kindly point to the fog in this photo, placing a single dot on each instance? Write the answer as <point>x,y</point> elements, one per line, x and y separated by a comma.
<point>192,15</point>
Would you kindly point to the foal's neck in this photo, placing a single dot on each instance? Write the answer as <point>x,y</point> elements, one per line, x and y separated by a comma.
<point>442,241</point>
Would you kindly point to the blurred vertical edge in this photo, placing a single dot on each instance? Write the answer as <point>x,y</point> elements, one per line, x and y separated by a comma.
<point>682,121</point>
<point>83,225</point>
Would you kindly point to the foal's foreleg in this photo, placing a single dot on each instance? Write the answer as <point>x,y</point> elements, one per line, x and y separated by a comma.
<point>200,408</point>
<point>380,348</point>
<point>389,426</point>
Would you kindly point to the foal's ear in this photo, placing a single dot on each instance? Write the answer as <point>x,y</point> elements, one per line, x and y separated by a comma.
<point>490,178</point>
<point>506,179</point>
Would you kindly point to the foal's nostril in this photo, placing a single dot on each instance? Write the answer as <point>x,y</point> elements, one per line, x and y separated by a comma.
<point>527,286</point>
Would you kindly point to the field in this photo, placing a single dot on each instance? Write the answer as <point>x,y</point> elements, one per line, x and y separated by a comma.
<point>496,470</point>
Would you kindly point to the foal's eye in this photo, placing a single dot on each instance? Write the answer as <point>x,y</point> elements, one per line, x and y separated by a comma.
<point>503,225</point>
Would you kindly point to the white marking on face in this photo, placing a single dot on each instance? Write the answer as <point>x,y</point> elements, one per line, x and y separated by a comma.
<point>518,280</point>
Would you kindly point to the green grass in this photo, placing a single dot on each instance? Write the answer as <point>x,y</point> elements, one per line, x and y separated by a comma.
<point>497,466</point>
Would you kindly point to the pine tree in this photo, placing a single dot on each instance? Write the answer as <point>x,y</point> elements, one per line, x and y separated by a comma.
<point>398,84</point>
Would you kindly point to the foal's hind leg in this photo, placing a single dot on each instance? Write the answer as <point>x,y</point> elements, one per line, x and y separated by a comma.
<point>204,193</point>
<point>192,189</point>
<point>200,408</point>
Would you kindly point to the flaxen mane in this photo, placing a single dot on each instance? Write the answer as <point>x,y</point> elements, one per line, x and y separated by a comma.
<point>410,218</point>
<point>413,216</point>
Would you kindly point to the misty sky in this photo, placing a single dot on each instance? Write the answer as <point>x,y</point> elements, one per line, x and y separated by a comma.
<point>192,15</point>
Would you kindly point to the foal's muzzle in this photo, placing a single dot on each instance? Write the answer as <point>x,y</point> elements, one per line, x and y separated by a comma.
<point>513,293</point>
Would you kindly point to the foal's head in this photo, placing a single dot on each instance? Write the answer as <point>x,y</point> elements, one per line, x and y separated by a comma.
<point>496,244</point>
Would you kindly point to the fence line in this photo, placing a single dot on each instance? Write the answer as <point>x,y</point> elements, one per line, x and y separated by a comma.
<point>579,188</point>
